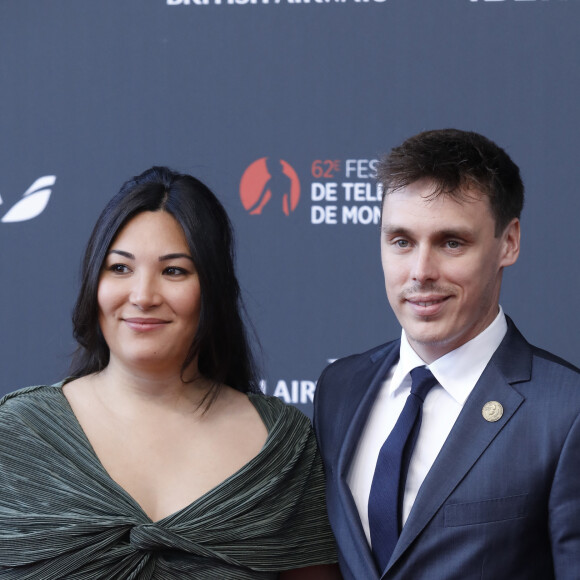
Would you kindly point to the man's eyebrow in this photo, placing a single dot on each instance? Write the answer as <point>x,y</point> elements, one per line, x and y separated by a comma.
<point>392,230</point>
<point>456,233</point>
<point>175,256</point>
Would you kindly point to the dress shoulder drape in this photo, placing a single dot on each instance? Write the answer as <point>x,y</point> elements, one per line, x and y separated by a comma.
<point>62,516</point>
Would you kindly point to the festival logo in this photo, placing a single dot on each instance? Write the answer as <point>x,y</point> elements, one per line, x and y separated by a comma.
<point>33,201</point>
<point>269,186</point>
<point>342,191</point>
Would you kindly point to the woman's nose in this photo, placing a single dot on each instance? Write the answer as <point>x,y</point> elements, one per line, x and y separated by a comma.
<point>145,292</point>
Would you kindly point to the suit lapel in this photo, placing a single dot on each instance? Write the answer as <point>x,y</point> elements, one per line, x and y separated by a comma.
<point>365,387</point>
<point>471,434</point>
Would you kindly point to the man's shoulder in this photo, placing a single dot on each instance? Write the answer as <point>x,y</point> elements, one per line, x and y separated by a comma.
<point>342,377</point>
<point>342,385</point>
<point>519,359</point>
<point>356,361</point>
<point>551,360</point>
<point>562,377</point>
<point>536,372</point>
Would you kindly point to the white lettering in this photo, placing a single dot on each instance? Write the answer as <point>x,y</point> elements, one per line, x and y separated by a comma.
<point>299,392</point>
<point>331,191</point>
<point>331,214</point>
<point>350,166</point>
<point>295,387</point>
<point>361,191</point>
<point>317,214</point>
<point>254,2</point>
<point>307,389</point>
<point>317,191</point>
<point>363,214</point>
<point>349,214</point>
<point>323,191</point>
<point>281,391</point>
<point>361,168</point>
<point>323,214</point>
<point>347,190</point>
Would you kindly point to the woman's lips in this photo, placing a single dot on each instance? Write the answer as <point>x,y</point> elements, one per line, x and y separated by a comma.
<point>144,324</point>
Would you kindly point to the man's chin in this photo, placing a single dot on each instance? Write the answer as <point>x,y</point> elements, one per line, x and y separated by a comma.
<point>429,342</point>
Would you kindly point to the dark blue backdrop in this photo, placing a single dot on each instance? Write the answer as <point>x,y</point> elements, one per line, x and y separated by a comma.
<point>296,96</point>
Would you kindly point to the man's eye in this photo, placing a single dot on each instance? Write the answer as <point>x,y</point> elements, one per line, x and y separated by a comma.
<point>453,244</point>
<point>402,243</point>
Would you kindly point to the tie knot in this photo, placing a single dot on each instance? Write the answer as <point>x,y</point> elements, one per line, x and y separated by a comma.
<point>422,380</point>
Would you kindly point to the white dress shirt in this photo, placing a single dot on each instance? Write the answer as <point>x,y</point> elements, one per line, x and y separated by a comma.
<point>457,372</point>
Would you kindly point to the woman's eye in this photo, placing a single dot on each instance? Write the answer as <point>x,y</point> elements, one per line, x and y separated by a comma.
<point>174,271</point>
<point>119,268</point>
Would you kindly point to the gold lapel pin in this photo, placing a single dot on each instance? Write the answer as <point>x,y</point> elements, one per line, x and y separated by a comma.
<point>492,411</point>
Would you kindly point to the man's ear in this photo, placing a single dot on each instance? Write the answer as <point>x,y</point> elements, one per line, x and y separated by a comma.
<point>510,239</point>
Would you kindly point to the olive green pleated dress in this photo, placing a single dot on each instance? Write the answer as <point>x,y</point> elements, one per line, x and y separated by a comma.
<point>62,516</point>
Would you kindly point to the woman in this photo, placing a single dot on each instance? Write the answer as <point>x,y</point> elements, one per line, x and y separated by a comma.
<point>159,458</point>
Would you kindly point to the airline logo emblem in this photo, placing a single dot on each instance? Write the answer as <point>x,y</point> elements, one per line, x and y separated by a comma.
<point>33,201</point>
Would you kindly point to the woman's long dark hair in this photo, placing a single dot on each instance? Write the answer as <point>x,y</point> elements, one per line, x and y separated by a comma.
<point>220,343</point>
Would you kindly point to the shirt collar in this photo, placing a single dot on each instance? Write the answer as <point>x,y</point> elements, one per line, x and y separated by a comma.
<point>457,371</point>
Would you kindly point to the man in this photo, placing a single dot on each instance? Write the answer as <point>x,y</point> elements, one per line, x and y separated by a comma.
<point>490,486</point>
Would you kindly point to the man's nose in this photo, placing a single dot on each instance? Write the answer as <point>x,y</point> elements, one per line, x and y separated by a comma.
<point>425,267</point>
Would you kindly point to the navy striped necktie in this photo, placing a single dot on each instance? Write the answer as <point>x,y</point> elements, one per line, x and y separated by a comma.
<point>388,486</point>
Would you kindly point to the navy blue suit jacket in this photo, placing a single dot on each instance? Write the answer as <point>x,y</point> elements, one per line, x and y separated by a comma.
<point>502,500</point>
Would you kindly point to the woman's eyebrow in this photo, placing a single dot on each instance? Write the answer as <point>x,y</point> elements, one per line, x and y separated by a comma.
<point>122,253</point>
<point>174,257</point>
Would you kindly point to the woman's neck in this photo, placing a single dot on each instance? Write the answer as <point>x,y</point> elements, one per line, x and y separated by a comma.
<point>136,387</point>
